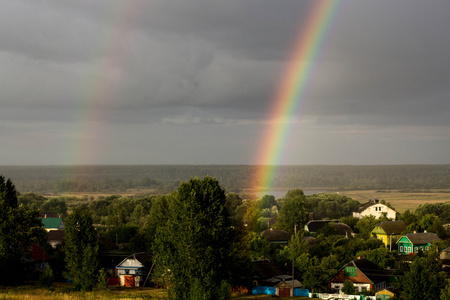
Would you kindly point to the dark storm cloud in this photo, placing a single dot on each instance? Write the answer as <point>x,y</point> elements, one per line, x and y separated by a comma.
<point>157,68</point>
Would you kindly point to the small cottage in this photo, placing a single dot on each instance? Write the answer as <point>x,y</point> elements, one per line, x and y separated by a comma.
<point>132,270</point>
<point>413,242</point>
<point>364,274</point>
<point>52,223</point>
<point>389,232</point>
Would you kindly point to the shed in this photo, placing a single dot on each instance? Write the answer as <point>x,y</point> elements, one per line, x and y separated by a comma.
<point>386,294</point>
<point>130,270</point>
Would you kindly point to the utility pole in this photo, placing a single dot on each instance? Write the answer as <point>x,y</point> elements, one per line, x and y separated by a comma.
<point>293,259</point>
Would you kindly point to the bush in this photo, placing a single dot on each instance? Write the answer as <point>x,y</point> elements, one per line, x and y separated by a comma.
<point>102,283</point>
<point>47,278</point>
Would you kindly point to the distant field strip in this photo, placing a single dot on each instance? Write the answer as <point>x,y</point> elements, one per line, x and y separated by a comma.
<point>401,201</point>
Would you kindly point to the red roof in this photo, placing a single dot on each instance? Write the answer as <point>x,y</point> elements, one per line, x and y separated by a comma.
<point>37,254</point>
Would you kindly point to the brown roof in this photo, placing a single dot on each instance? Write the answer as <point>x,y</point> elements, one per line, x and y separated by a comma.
<point>393,227</point>
<point>366,205</point>
<point>370,269</point>
<point>276,235</point>
<point>422,238</point>
<point>265,269</point>
<point>55,235</point>
<point>342,229</point>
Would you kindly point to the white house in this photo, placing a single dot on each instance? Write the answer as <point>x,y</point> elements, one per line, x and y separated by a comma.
<point>374,208</point>
<point>130,269</point>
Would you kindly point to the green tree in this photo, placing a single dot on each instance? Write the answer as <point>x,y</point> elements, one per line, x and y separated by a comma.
<point>32,200</point>
<point>19,227</point>
<point>424,280</point>
<point>293,211</point>
<point>193,249</point>
<point>445,292</point>
<point>81,249</point>
<point>348,288</point>
<point>57,206</point>
<point>381,256</point>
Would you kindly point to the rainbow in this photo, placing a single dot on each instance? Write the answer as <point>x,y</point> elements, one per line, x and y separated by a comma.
<point>291,92</point>
<point>101,84</point>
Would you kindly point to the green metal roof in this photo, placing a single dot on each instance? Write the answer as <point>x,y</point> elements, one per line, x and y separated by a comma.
<point>51,222</point>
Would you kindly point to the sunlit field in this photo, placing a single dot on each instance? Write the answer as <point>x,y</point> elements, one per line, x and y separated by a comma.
<point>401,200</point>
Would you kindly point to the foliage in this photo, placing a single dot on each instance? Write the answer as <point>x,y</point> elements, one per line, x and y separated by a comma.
<point>348,288</point>
<point>19,227</point>
<point>293,211</point>
<point>47,278</point>
<point>102,282</point>
<point>445,292</point>
<point>424,279</point>
<point>57,206</point>
<point>81,249</point>
<point>32,200</point>
<point>192,251</point>
<point>366,224</point>
<point>45,179</point>
<point>331,206</point>
<point>381,256</point>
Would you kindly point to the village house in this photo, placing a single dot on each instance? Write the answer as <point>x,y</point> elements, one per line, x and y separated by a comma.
<point>131,269</point>
<point>413,242</point>
<point>52,223</point>
<point>280,237</point>
<point>315,226</point>
<point>376,209</point>
<point>364,274</point>
<point>389,232</point>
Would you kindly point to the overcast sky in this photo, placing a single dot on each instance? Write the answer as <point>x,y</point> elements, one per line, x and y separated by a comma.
<point>192,82</point>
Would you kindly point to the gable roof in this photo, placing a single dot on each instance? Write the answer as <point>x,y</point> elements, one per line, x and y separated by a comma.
<point>143,258</point>
<point>315,225</point>
<point>342,229</point>
<point>276,235</point>
<point>37,254</point>
<point>370,269</point>
<point>56,235</point>
<point>51,222</point>
<point>421,238</point>
<point>366,205</point>
<point>392,227</point>
<point>265,269</point>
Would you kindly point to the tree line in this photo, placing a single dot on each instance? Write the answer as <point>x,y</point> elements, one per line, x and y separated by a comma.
<point>234,178</point>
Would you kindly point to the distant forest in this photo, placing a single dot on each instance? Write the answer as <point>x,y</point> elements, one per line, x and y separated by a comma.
<point>234,178</point>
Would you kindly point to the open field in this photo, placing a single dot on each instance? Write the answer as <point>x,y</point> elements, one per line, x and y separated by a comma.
<point>400,200</point>
<point>63,291</point>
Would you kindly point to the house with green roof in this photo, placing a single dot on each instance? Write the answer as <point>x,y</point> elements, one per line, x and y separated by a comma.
<point>412,242</point>
<point>389,232</point>
<point>52,223</point>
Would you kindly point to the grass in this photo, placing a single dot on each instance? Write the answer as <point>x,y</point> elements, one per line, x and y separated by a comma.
<point>401,200</point>
<point>64,291</point>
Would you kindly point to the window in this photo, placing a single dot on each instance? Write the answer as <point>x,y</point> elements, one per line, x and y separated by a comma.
<point>350,271</point>
<point>127,272</point>
<point>416,250</point>
<point>409,249</point>
<point>401,248</point>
